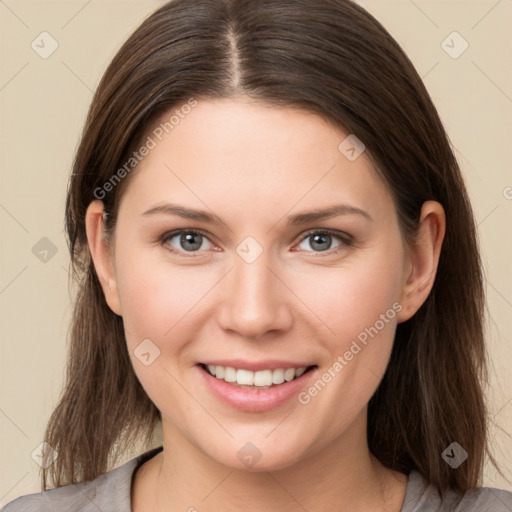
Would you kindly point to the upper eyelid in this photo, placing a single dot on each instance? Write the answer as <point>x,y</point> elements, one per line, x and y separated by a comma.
<point>340,235</point>
<point>172,234</point>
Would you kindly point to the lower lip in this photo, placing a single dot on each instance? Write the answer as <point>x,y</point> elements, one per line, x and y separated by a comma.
<point>255,400</point>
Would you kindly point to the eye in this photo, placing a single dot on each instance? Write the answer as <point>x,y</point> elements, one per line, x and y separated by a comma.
<point>192,241</point>
<point>185,240</point>
<point>321,240</point>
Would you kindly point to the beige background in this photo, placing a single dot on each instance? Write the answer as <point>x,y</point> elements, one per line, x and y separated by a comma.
<point>44,102</point>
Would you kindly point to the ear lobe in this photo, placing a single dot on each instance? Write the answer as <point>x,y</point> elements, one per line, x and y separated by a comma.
<point>424,253</point>
<point>101,254</point>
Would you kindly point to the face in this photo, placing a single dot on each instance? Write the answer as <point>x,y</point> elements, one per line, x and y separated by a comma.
<point>253,283</point>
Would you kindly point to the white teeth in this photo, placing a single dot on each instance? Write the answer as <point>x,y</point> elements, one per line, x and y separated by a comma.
<point>299,371</point>
<point>262,378</point>
<point>245,377</point>
<point>219,372</point>
<point>289,373</point>
<point>229,374</point>
<point>278,376</point>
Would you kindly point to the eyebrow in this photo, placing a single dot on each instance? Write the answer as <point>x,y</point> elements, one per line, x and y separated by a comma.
<point>294,220</point>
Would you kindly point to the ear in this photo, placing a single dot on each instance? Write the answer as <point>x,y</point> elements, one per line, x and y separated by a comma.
<point>102,254</point>
<point>422,259</point>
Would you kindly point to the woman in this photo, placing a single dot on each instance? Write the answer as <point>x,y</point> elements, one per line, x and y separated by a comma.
<point>319,345</point>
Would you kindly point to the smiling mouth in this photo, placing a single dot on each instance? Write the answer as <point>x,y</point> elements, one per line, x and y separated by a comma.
<point>263,379</point>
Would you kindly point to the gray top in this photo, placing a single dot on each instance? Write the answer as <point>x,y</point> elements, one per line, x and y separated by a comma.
<point>111,493</point>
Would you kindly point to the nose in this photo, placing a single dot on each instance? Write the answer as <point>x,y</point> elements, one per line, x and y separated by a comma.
<point>256,300</point>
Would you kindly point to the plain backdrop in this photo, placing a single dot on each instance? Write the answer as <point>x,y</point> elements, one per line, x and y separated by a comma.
<point>44,100</point>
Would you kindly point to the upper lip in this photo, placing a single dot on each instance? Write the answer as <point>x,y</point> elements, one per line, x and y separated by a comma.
<point>269,364</point>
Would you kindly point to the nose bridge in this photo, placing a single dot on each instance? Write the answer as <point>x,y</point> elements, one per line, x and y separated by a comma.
<point>253,278</point>
<point>254,302</point>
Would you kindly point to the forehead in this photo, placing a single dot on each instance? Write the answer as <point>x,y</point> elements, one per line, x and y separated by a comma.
<point>254,156</point>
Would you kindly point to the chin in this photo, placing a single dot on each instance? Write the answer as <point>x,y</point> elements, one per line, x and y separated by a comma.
<point>257,457</point>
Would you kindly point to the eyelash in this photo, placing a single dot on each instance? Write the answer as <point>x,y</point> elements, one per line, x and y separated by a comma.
<point>346,239</point>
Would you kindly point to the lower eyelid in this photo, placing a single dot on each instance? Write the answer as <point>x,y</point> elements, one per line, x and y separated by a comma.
<point>169,236</point>
<point>345,240</point>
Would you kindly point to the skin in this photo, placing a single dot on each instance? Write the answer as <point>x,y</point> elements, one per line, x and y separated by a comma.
<point>254,165</point>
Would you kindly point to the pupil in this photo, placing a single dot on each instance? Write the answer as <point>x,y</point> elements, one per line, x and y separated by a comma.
<point>188,238</point>
<point>319,241</point>
<point>320,237</point>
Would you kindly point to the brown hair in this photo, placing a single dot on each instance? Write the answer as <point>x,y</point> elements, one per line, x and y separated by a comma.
<point>334,59</point>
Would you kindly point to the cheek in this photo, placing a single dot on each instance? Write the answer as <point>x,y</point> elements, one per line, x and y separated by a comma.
<point>155,296</point>
<point>358,307</point>
<point>351,298</point>
<point>165,303</point>
<point>159,305</point>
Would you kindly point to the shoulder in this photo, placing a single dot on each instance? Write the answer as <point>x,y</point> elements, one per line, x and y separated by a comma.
<point>88,496</point>
<point>420,495</point>
<point>110,491</point>
<point>484,499</point>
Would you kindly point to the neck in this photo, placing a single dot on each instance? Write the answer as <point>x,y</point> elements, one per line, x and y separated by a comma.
<point>343,473</point>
